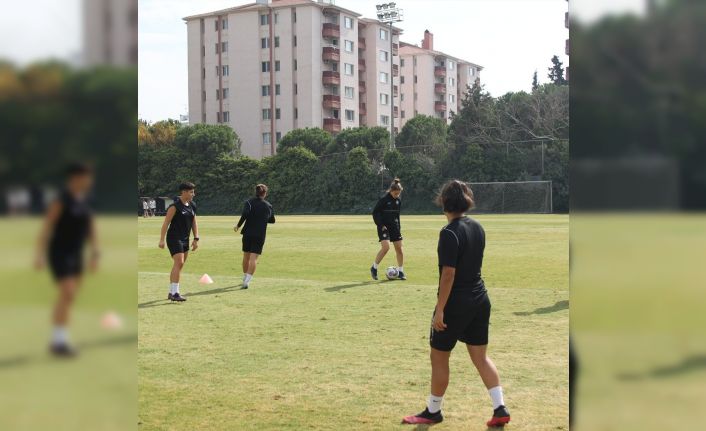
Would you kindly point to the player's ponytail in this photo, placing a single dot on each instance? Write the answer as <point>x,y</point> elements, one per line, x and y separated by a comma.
<point>261,190</point>
<point>455,197</point>
<point>395,186</point>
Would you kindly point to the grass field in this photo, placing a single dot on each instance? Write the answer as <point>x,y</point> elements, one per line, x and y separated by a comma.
<point>315,344</point>
<point>97,390</point>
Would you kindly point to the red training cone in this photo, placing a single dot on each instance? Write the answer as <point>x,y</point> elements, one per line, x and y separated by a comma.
<point>205,279</point>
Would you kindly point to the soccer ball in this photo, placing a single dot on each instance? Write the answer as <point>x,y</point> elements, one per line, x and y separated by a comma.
<point>392,273</point>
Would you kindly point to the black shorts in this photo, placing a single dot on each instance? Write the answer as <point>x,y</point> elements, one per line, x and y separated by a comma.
<point>466,321</point>
<point>253,244</point>
<point>65,263</point>
<point>392,233</point>
<point>178,246</point>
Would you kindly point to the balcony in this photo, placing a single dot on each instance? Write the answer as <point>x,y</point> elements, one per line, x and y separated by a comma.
<point>440,106</point>
<point>440,88</point>
<point>331,78</point>
<point>361,65</point>
<point>332,125</point>
<point>396,112</point>
<point>361,86</point>
<point>440,71</point>
<point>332,102</point>
<point>361,43</point>
<point>395,70</point>
<point>362,109</point>
<point>331,30</point>
<point>395,49</point>
<point>331,54</point>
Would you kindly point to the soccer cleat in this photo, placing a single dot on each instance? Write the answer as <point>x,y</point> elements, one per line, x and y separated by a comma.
<point>424,417</point>
<point>62,350</point>
<point>169,297</point>
<point>177,298</point>
<point>245,286</point>
<point>401,276</point>
<point>374,272</point>
<point>500,417</point>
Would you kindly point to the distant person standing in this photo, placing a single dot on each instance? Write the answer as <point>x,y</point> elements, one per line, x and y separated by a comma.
<point>145,208</point>
<point>386,216</point>
<point>178,224</point>
<point>257,214</point>
<point>153,207</point>
<point>68,224</point>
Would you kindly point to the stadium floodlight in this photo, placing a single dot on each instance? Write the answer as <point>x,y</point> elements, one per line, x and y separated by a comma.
<point>389,13</point>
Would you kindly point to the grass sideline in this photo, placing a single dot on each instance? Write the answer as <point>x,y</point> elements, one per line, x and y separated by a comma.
<point>315,344</point>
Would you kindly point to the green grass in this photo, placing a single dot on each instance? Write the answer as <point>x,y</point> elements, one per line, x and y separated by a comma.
<point>97,390</point>
<point>314,344</point>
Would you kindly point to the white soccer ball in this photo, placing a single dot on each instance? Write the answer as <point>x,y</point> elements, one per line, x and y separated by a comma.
<point>392,273</point>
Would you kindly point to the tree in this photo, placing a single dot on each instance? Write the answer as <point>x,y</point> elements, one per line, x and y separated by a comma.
<point>556,72</point>
<point>291,175</point>
<point>535,81</point>
<point>313,138</point>
<point>208,141</point>
<point>423,134</point>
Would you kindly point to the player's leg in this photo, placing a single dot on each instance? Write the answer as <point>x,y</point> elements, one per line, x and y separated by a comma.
<point>68,287</point>
<point>400,258</point>
<point>178,260</point>
<point>252,265</point>
<point>384,248</point>
<point>439,382</point>
<point>491,378</point>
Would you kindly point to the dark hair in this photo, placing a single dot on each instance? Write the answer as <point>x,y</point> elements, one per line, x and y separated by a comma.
<point>185,186</point>
<point>455,197</point>
<point>260,190</point>
<point>78,168</point>
<point>395,185</point>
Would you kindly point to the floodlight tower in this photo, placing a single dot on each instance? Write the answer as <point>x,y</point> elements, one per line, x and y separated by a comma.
<point>390,13</point>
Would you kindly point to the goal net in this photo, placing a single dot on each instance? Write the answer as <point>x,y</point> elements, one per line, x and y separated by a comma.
<point>513,197</point>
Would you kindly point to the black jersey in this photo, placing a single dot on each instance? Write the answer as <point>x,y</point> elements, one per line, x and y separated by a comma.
<point>183,220</point>
<point>461,246</point>
<point>257,213</point>
<point>73,225</point>
<point>387,211</point>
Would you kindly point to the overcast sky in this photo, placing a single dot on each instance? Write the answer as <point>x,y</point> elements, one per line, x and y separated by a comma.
<point>509,38</point>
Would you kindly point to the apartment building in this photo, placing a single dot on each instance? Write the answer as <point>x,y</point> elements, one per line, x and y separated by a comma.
<point>431,82</point>
<point>271,66</point>
<point>110,32</point>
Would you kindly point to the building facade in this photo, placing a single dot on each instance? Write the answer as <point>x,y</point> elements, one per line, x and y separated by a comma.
<point>110,32</point>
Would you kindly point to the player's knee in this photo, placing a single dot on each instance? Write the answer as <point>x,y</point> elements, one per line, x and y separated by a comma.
<point>385,247</point>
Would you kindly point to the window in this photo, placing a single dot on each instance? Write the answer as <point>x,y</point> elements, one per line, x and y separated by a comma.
<point>452,98</point>
<point>415,98</point>
<point>203,72</point>
<point>264,19</point>
<point>265,42</point>
<point>225,24</point>
<point>383,55</point>
<point>226,92</point>
<point>277,114</point>
<point>294,41</point>
<point>265,66</point>
<point>224,46</point>
<point>203,26</point>
<point>226,116</point>
<point>276,65</point>
<point>348,22</point>
<point>296,89</point>
<point>383,77</point>
<point>276,89</point>
<point>276,17</point>
<point>218,94</point>
<point>217,48</point>
<point>385,120</point>
<point>335,90</point>
<point>265,90</point>
<point>350,92</point>
<point>349,69</point>
<point>203,96</point>
<point>402,114</point>
<point>267,114</point>
<point>294,15</point>
<point>334,67</point>
<point>216,22</point>
<point>452,81</point>
<point>334,42</point>
<point>335,113</point>
<point>203,51</point>
<point>267,138</point>
<point>296,113</point>
<point>414,60</point>
<point>384,98</point>
<point>278,136</point>
<point>350,115</point>
<point>295,64</point>
<point>415,79</point>
<point>276,41</point>
<point>226,70</point>
<point>402,79</point>
<point>401,97</point>
<point>383,34</point>
<point>218,117</point>
<point>401,62</point>
<point>451,65</point>
<point>349,46</point>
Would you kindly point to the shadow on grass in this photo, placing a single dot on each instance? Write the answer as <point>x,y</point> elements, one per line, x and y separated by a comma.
<point>160,302</point>
<point>560,305</point>
<point>21,360</point>
<point>691,364</point>
<point>348,286</point>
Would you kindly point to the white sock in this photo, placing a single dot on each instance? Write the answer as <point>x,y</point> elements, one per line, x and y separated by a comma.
<point>244,276</point>
<point>375,265</point>
<point>496,394</point>
<point>171,288</point>
<point>248,277</point>
<point>434,403</point>
<point>60,335</point>
<point>401,268</point>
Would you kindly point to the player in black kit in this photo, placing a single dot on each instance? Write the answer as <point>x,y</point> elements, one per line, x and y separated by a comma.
<point>67,226</point>
<point>386,216</point>
<point>178,224</point>
<point>257,213</point>
<point>462,310</point>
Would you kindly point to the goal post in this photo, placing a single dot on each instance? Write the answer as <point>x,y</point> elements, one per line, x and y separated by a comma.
<point>515,197</point>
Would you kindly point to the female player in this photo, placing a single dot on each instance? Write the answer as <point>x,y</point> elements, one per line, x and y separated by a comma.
<point>178,224</point>
<point>257,213</point>
<point>462,310</point>
<point>67,226</point>
<point>386,215</point>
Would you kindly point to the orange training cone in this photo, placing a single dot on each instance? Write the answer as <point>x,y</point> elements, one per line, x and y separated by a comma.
<point>205,279</point>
